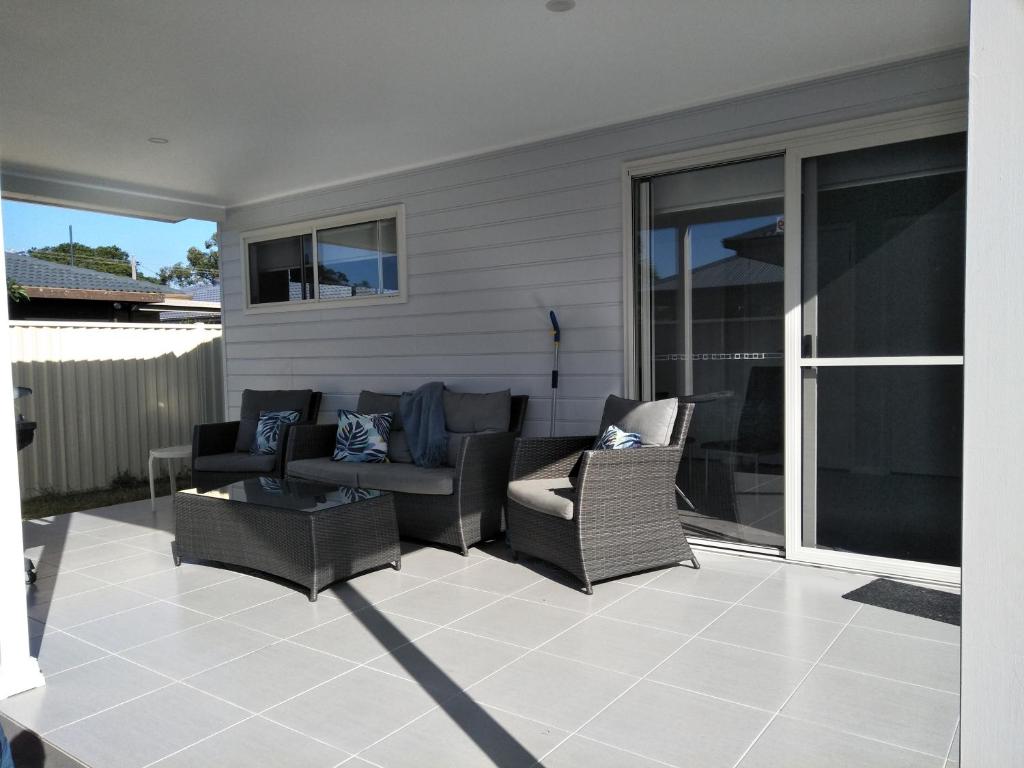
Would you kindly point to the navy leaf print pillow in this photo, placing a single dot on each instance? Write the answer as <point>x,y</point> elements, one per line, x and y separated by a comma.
<point>362,437</point>
<point>268,431</point>
<point>614,439</point>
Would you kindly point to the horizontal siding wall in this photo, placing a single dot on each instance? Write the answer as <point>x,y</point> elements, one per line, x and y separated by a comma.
<point>104,394</point>
<point>497,240</point>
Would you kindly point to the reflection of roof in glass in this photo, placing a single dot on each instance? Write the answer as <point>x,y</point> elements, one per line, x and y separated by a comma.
<point>731,272</point>
<point>328,292</point>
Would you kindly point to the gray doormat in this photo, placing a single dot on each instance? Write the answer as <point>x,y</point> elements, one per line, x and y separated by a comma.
<point>908,598</point>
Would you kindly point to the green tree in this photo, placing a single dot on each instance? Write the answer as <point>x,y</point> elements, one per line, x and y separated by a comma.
<point>16,292</point>
<point>102,258</point>
<point>200,267</point>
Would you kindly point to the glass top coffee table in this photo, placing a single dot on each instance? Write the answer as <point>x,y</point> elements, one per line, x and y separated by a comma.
<point>308,533</point>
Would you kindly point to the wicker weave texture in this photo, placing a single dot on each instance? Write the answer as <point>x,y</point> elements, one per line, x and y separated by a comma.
<point>624,517</point>
<point>313,549</point>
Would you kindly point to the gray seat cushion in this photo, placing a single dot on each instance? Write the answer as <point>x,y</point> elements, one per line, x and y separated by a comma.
<point>549,496</point>
<point>477,412</point>
<point>653,420</point>
<point>325,470</point>
<point>400,478</point>
<point>235,462</point>
<point>408,478</point>
<point>255,400</point>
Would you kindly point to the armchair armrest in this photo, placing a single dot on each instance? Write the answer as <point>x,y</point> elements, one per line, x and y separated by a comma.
<point>309,441</point>
<point>633,477</point>
<point>541,457</point>
<point>209,439</point>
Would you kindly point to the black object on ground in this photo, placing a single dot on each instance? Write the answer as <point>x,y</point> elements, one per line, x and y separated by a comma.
<point>909,598</point>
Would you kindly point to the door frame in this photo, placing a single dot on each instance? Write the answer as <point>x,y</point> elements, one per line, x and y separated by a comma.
<point>905,125</point>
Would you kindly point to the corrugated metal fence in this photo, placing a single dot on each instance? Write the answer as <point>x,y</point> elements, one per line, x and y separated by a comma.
<point>105,393</point>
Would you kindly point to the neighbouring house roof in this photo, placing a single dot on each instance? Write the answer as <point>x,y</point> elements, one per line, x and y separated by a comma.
<point>207,295</point>
<point>51,280</point>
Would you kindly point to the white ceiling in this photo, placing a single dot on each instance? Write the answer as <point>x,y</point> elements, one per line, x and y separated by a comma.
<point>264,97</point>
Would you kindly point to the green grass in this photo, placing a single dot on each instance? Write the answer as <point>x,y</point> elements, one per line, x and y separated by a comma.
<point>123,490</point>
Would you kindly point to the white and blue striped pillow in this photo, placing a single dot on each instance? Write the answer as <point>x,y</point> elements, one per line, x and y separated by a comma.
<point>268,431</point>
<point>614,438</point>
<point>362,437</point>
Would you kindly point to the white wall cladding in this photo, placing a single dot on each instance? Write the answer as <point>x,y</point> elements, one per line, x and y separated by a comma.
<point>105,393</point>
<point>497,240</point>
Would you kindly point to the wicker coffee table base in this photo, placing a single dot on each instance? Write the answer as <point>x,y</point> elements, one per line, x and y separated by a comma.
<point>313,549</point>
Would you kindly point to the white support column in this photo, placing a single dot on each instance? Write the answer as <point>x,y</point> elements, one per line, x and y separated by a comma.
<point>18,670</point>
<point>992,679</point>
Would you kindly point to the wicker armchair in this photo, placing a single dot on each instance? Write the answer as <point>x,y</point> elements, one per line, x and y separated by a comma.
<point>220,451</point>
<point>620,514</point>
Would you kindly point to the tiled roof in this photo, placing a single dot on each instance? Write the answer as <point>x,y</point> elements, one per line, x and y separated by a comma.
<point>31,272</point>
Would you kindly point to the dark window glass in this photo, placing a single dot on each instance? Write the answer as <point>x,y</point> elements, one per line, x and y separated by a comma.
<point>886,459</point>
<point>281,270</point>
<point>884,249</point>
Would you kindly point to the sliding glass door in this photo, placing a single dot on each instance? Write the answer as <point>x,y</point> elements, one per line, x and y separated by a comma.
<point>807,294</point>
<point>710,298</point>
<point>881,364</point>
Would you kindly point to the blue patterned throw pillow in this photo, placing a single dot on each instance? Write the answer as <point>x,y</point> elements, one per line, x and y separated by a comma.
<point>268,431</point>
<point>362,437</point>
<point>614,438</point>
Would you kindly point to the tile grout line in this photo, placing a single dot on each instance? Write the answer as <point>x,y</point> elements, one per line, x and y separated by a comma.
<point>174,681</point>
<point>192,687</point>
<point>650,671</point>
<point>795,689</point>
<point>949,749</point>
<point>465,690</point>
<point>356,665</point>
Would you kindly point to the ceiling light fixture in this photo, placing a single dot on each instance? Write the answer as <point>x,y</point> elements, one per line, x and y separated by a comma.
<point>158,140</point>
<point>560,6</point>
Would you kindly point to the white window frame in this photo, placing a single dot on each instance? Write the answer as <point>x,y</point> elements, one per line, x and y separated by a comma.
<point>906,125</point>
<point>297,229</point>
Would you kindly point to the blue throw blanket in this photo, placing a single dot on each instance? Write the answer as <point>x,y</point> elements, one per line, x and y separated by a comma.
<point>423,418</point>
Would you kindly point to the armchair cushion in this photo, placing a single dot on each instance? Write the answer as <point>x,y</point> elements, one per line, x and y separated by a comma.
<point>254,401</point>
<point>550,496</point>
<point>235,462</point>
<point>653,421</point>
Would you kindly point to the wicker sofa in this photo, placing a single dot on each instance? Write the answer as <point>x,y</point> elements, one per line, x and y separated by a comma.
<point>456,505</point>
<point>599,513</point>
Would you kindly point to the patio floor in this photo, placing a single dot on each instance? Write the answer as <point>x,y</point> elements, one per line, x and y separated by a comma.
<point>470,662</point>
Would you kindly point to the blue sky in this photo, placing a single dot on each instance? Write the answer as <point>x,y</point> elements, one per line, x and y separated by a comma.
<point>154,244</point>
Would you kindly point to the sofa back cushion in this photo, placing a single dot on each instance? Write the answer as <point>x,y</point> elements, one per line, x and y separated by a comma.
<point>256,400</point>
<point>376,402</point>
<point>398,448</point>
<point>477,412</point>
<point>653,421</point>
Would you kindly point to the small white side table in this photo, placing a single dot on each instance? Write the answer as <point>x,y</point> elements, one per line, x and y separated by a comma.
<point>170,453</point>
